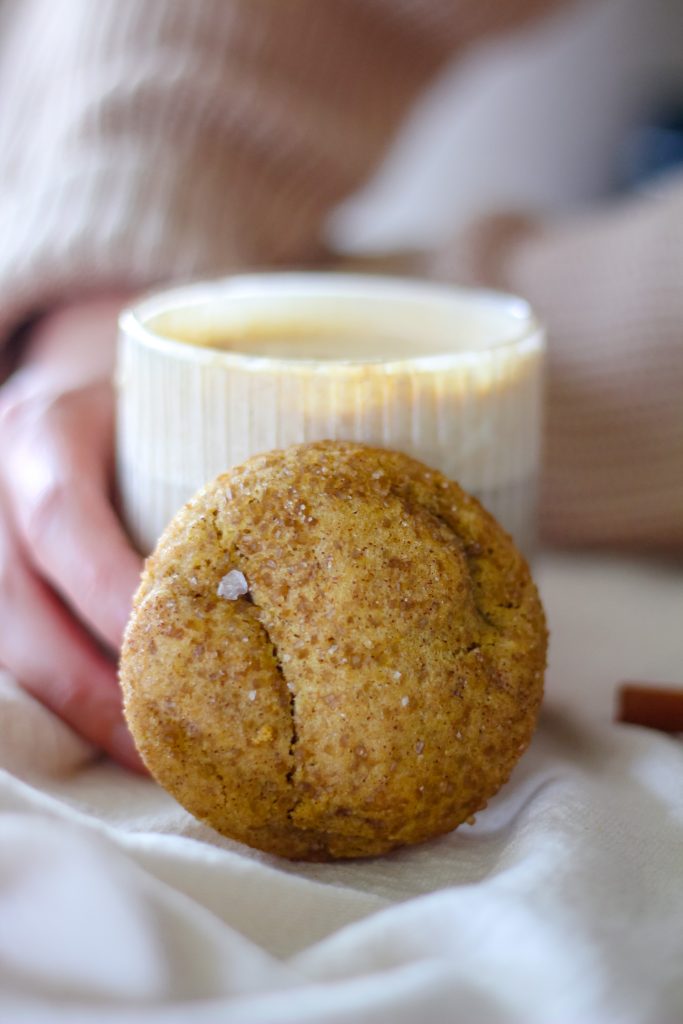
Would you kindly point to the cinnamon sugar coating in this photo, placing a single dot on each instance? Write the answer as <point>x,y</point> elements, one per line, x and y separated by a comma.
<point>375,685</point>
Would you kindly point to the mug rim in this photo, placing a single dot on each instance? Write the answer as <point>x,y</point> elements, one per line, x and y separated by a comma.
<point>134,319</point>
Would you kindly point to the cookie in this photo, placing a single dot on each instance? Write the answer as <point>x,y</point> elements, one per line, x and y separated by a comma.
<point>334,651</point>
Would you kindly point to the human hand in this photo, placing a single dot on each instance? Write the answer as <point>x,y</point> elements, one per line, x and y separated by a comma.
<point>67,570</point>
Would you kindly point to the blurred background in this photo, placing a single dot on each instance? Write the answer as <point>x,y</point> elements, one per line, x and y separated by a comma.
<point>584,105</point>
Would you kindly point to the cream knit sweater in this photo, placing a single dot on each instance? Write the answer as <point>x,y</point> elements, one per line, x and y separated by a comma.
<point>142,140</point>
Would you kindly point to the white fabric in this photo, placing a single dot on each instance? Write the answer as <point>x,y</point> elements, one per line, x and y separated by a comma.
<point>563,904</point>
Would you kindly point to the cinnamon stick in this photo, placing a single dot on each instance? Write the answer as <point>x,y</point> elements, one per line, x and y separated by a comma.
<point>654,706</point>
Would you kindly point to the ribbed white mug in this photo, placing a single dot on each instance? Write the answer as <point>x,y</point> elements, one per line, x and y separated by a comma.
<point>466,400</point>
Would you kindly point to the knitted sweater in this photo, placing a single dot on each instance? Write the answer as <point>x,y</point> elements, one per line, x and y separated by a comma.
<point>143,140</point>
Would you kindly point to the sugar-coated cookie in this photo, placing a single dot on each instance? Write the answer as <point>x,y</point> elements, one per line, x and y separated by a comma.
<point>334,651</point>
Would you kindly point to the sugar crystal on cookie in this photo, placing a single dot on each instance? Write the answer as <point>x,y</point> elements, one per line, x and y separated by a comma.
<point>233,585</point>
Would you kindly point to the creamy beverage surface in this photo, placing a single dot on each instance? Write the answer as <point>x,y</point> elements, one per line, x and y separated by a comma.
<point>326,342</point>
<point>339,329</point>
